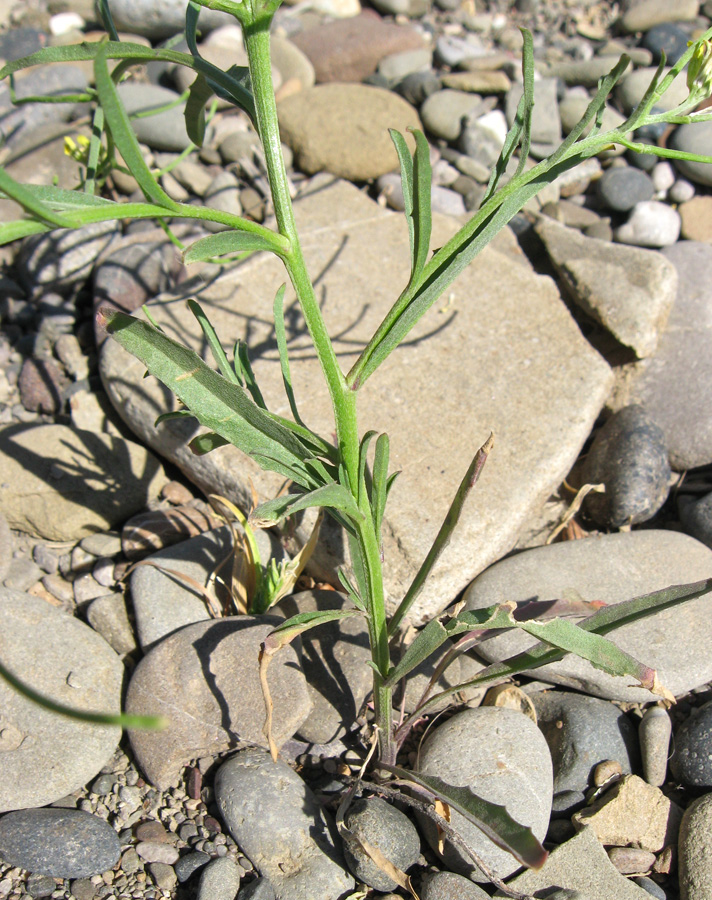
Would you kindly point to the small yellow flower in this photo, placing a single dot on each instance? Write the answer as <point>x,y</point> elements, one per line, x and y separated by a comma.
<point>78,149</point>
<point>699,70</point>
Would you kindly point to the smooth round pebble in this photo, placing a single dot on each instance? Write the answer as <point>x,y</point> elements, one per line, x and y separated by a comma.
<point>190,863</point>
<point>695,860</point>
<point>157,852</point>
<point>164,876</point>
<point>651,887</point>
<point>691,762</point>
<point>63,843</point>
<point>693,138</point>
<point>651,224</point>
<point>629,455</point>
<point>621,187</point>
<point>449,886</point>
<point>220,880</point>
<point>654,732</point>
<point>386,828</point>
<point>667,38</point>
<point>696,517</point>
<point>39,886</point>
<point>630,860</point>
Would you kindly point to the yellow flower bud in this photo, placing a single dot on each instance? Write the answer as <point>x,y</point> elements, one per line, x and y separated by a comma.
<point>699,70</point>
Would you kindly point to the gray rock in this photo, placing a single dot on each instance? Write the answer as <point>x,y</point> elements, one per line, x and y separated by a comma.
<point>161,18</point>
<point>387,829</point>
<point>447,202</point>
<point>449,886</point>
<point>631,89</point>
<point>696,517</point>
<point>693,138</point>
<point>648,13</point>
<point>335,662</point>
<point>630,458</point>
<point>418,86</point>
<point>164,876</point>
<point>5,548</point>
<point>204,680</point>
<point>667,39</point>
<point>650,224</point>
<point>220,880</point>
<point>652,887</point>
<point>673,385</point>
<point>291,62</point>
<point>690,762</point>
<point>584,72</point>
<point>546,122</point>
<point>162,131</point>
<point>621,187</point>
<point>278,824</point>
<point>582,732</point>
<point>223,194</point>
<point>693,848</point>
<point>654,733</point>
<point>397,66</point>
<point>259,889</point>
<point>443,112</point>
<point>190,863</point>
<point>343,129</point>
<point>39,886</point>
<point>157,852</point>
<point>65,257</point>
<point>501,756</point>
<point>63,843</point>
<point>46,756</point>
<point>451,50</point>
<point>108,616</point>
<point>572,108</point>
<point>629,290</point>
<point>581,865</point>
<point>164,603</point>
<point>611,568</point>
<point>20,122</point>
<point>555,404</point>
<point>62,484</point>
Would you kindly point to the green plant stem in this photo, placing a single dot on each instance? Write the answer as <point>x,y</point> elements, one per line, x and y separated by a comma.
<point>342,397</point>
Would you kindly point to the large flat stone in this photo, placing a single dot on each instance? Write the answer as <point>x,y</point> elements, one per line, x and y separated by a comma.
<point>499,353</point>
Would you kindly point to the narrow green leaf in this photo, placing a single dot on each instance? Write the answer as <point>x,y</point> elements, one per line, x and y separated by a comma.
<point>442,539</point>
<point>217,404</point>
<point>226,242</point>
<point>13,231</point>
<point>491,818</point>
<point>206,443</point>
<point>60,198</point>
<point>379,492</point>
<point>281,336</point>
<point>172,416</point>
<point>149,723</point>
<point>422,217</point>
<point>97,130</point>
<point>329,495</point>
<point>107,19</point>
<point>123,135</point>
<point>363,487</point>
<point>30,202</point>
<point>406,170</point>
<point>286,632</point>
<point>198,95</point>
<point>350,590</point>
<point>213,341</point>
<point>249,375</point>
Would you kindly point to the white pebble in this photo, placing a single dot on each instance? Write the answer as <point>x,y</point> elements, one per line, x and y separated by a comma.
<point>663,176</point>
<point>651,224</point>
<point>682,191</point>
<point>66,22</point>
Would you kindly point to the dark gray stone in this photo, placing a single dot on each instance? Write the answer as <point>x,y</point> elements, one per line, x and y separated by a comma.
<point>501,756</point>
<point>335,659</point>
<point>259,889</point>
<point>190,863</point>
<point>621,187</point>
<point>277,822</point>
<point>581,732</point>
<point>449,886</point>
<point>629,456</point>
<point>691,761</point>
<point>418,86</point>
<point>39,886</point>
<point>696,517</point>
<point>652,887</point>
<point>62,843</point>
<point>162,131</point>
<point>668,39</point>
<point>386,828</point>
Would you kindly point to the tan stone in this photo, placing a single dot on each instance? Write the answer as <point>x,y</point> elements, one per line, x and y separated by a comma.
<point>633,812</point>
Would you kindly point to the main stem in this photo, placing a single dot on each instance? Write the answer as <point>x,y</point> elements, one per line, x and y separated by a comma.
<point>343,398</point>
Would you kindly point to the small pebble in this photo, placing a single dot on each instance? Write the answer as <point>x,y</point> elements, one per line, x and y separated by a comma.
<point>153,851</point>
<point>654,733</point>
<point>190,863</point>
<point>630,861</point>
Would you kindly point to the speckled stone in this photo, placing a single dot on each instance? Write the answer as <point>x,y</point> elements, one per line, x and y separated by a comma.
<point>386,828</point>
<point>691,761</point>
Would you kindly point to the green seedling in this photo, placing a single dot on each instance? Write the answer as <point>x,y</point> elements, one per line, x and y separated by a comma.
<point>349,477</point>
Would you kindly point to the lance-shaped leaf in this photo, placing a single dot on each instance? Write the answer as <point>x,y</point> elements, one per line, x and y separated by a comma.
<point>333,496</point>
<point>225,242</point>
<point>416,176</point>
<point>379,490</point>
<point>491,818</point>
<point>198,95</point>
<point>281,636</point>
<point>30,202</point>
<point>444,534</point>
<point>117,121</point>
<point>217,404</point>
